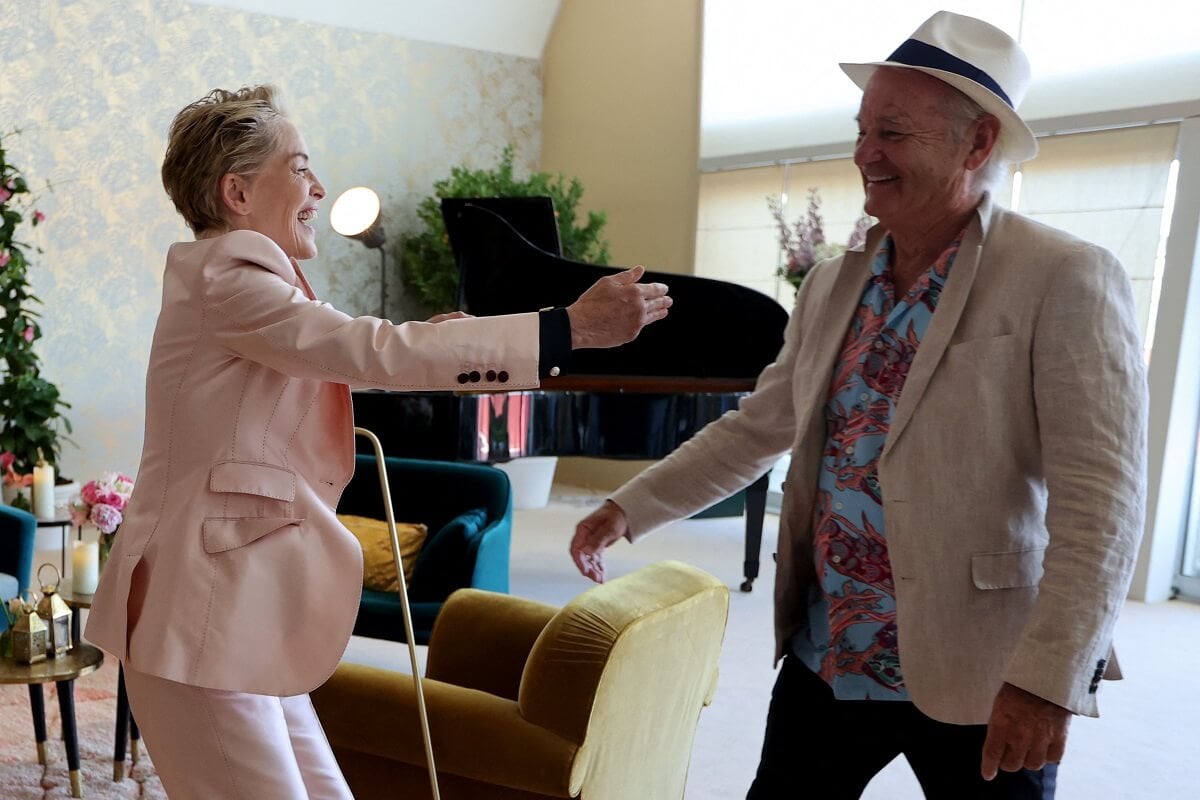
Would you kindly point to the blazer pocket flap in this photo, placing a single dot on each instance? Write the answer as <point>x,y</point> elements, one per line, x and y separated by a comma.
<point>1010,570</point>
<point>250,477</point>
<point>221,534</point>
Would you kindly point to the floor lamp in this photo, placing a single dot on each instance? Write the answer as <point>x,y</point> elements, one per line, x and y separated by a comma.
<point>356,215</point>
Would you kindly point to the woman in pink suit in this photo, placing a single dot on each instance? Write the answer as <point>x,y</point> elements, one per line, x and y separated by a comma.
<point>232,589</point>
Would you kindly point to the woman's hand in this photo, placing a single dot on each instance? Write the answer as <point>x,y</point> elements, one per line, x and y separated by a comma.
<point>615,308</point>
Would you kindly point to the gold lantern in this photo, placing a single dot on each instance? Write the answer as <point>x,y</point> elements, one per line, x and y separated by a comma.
<point>56,614</point>
<point>29,635</point>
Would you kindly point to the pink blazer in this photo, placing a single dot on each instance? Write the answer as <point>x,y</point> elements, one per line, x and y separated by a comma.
<point>1013,475</point>
<point>230,570</point>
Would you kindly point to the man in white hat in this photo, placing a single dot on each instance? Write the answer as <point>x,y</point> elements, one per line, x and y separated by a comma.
<point>964,402</point>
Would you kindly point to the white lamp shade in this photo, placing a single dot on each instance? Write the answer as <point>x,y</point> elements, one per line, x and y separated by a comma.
<point>355,211</point>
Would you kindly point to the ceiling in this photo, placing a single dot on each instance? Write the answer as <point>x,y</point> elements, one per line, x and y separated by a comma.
<point>514,27</point>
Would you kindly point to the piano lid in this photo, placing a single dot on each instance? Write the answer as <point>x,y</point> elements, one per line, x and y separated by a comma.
<point>715,329</point>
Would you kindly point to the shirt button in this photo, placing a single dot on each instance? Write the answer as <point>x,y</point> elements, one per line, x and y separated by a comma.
<point>491,375</point>
<point>836,559</point>
<point>864,397</point>
<point>475,376</point>
<point>878,345</point>
<point>849,449</point>
<point>839,505</point>
<point>502,376</point>
<point>554,372</point>
<point>463,377</point>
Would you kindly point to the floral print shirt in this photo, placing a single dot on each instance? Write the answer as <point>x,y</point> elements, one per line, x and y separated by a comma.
<point>851,635</point>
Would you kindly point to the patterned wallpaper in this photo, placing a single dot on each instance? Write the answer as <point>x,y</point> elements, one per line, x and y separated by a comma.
<point>93,84</point>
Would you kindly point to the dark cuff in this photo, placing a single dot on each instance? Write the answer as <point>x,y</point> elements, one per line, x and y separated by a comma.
<point>554,342</point>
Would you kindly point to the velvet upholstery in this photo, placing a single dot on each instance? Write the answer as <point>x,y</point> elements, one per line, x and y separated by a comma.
<point>18,532</point>
<point>434,493</point>
<point>599,699</point>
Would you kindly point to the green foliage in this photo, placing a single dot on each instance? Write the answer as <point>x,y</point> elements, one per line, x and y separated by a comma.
<point>428,265</point>
<point>30,406</point>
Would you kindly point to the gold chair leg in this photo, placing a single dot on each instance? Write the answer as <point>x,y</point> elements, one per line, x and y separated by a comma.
<point>134,749</point>
<point>41,750</point>
<point>76,784</point>
<point>118,771</point>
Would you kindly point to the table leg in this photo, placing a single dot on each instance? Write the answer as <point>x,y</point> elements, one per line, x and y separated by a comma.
<point>66,705</point>
<point>135,738</point>
<point>122,726</point>
<point>37,704</point>
<point>756,509</point>
<point>76,635</point>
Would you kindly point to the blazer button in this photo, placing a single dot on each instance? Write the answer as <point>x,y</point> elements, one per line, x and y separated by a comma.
<point>474,376</point>
<point>554,372</point>
<point>491,375</point>
<point>463,377</point>
<point>502,376</point>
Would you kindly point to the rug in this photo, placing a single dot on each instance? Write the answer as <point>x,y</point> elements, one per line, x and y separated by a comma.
<point>22,778</point>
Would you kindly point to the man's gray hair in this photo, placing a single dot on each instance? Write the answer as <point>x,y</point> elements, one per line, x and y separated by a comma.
<point>960,111</point>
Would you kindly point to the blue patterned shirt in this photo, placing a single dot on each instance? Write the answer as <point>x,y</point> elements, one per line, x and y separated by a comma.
<point>851,636</point>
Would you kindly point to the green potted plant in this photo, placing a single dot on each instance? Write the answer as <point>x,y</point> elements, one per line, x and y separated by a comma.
<point>30,406</point>
<point>427,263</point>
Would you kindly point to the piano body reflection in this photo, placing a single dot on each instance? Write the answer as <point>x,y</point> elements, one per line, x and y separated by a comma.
<point>638,401</point>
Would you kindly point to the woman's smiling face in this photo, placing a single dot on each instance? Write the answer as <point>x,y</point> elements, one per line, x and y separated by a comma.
<point>281,198</point>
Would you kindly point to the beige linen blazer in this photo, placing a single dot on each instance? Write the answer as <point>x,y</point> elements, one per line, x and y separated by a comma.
<point>230,570</point>
<point>1013,475</point>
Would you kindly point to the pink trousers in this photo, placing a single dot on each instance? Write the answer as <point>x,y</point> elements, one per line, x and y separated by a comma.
<point>208,744</point>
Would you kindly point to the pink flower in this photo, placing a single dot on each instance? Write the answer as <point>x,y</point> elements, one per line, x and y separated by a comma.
<point>4,258</point>
<point>90,493</point>
<point>79,512</point>
<point>111,499</point>
<point>105,517</point>
<point>4,194</point>
<point>28,333</point>
<point>38,217</point>
<point>6,461</point>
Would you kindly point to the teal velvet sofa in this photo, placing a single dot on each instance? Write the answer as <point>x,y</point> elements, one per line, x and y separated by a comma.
<point>18,531</point>
<point>468,511</point>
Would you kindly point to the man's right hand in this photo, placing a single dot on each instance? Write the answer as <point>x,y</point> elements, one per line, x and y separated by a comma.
<point>593,535</point>
<point>615,308</point>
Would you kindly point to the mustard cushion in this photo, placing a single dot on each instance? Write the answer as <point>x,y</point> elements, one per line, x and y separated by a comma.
<point>379,570</point>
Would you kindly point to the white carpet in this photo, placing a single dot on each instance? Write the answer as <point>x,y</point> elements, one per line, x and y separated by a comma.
<point>1144,746</point>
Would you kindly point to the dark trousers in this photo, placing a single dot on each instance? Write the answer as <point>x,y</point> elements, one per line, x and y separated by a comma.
<point>826,749</point>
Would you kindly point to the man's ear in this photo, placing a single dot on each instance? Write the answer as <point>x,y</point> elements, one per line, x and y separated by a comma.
<point>983,135</point>
<point>235,193</point>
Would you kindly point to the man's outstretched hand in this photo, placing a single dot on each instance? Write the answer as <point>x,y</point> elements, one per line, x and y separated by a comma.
<point>615,308</point>
<point>593,535</point>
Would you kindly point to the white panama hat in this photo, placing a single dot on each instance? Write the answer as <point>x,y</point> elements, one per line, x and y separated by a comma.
<point>980,60</point>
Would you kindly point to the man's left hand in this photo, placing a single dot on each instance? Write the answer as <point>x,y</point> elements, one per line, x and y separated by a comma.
<point>1024,732</point>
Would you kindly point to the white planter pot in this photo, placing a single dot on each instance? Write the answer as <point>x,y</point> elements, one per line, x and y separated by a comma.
<point>531,479</point>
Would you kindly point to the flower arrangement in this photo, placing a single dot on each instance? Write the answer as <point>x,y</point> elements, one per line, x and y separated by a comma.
<point>803,243</point>
<point>15,481</point>
<point>102,503</point>
<point>30,406</point>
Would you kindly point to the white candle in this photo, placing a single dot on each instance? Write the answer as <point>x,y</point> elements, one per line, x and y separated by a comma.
<point>85,567</point>
<point>43,491</point>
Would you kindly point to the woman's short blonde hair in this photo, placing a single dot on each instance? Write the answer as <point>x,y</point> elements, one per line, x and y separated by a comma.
<point>223,132</point>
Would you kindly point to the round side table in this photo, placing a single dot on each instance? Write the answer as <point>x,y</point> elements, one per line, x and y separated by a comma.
<point>127,729</point>
<point>81,660</point>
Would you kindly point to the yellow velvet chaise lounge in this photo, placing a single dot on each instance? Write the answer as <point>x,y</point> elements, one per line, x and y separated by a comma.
<point>599,699</point>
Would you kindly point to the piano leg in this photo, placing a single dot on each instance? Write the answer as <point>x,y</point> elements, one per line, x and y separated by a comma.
<point>756,508</point>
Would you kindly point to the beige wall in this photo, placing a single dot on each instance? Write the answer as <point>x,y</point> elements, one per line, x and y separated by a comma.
<point>93,90</point>
<point>621,111</point>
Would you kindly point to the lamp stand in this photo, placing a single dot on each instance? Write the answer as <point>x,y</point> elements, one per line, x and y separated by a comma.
<point>382,283</point>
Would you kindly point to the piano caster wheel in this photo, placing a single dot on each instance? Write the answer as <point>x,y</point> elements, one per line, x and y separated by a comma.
<point>748,584</point>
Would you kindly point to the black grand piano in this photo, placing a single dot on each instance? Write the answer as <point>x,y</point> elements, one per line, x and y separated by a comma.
<point>637,401</point>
